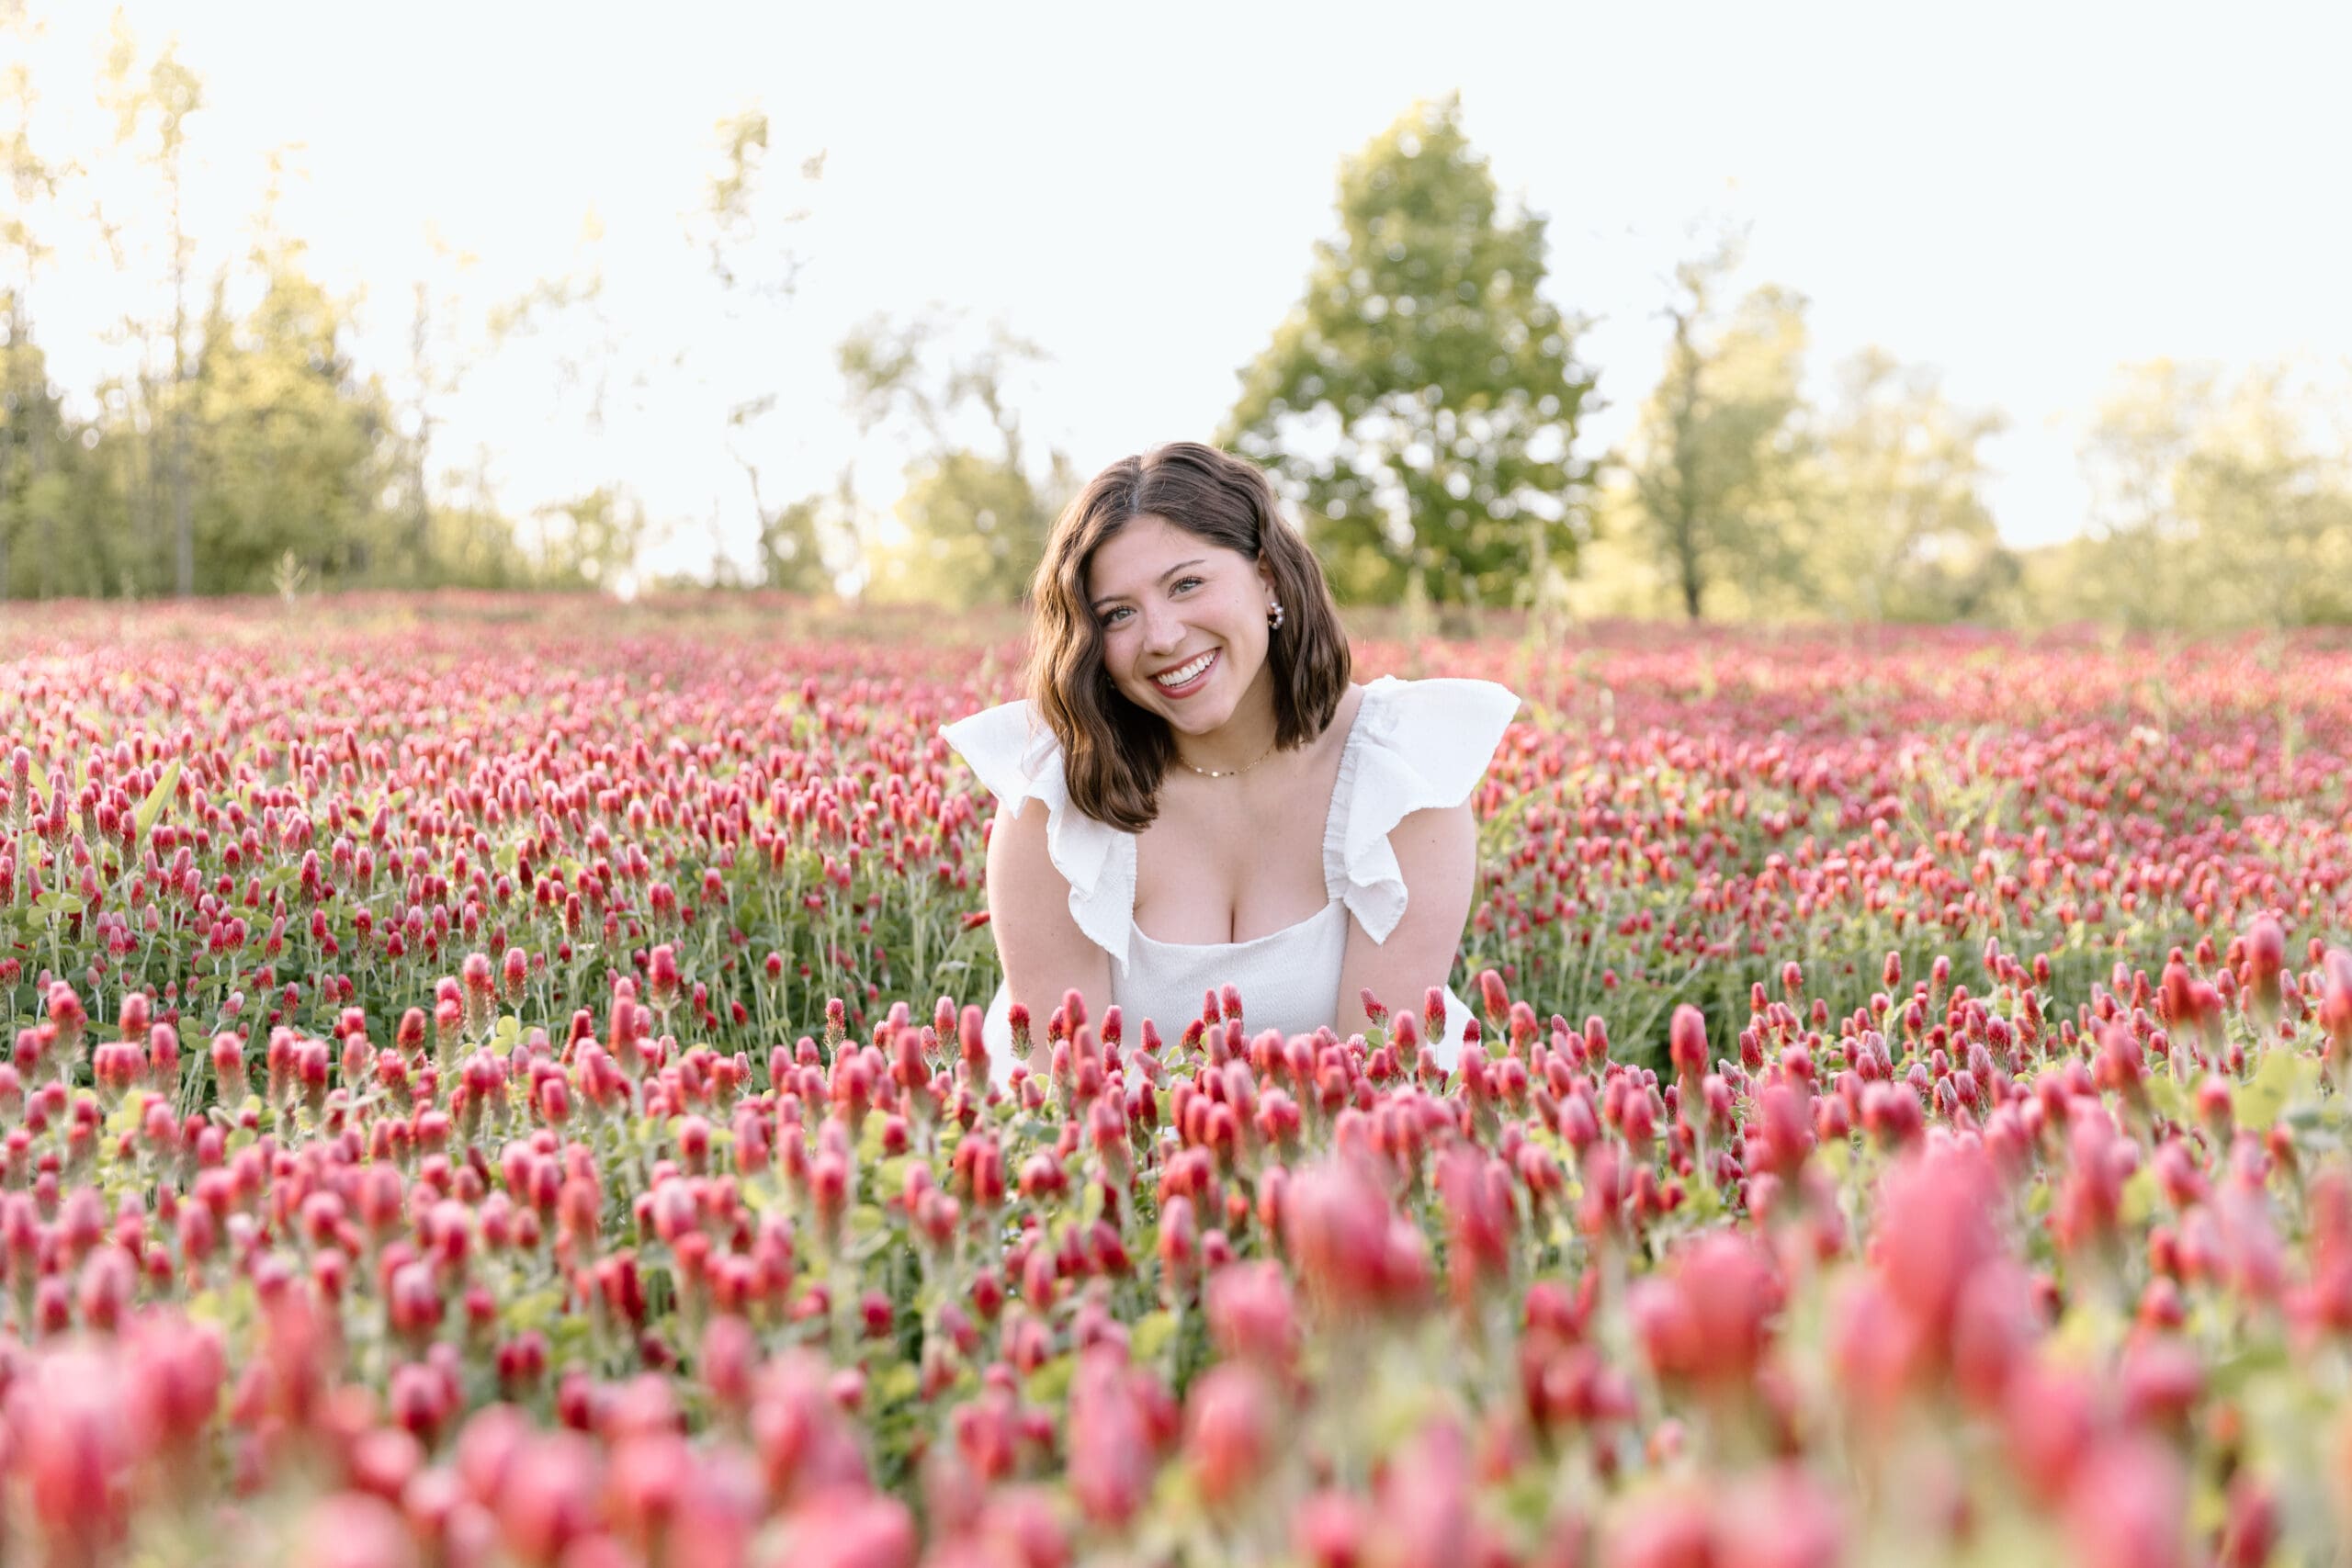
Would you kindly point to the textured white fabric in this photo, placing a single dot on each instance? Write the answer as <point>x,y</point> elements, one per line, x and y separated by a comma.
<point>1018,757</point>
<point>1414,744</point>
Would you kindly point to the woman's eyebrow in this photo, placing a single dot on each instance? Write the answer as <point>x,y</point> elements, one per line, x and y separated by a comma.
<point>1163,577</point>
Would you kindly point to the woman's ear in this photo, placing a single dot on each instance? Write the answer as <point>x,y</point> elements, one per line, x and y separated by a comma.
<point>1266,570</point>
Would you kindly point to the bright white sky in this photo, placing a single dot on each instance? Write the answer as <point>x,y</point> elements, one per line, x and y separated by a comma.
<point>2022,195</point>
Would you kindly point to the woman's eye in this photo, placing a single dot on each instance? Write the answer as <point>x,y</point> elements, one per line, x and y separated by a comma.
<point>1184,582</point>
<point>1112,619</point>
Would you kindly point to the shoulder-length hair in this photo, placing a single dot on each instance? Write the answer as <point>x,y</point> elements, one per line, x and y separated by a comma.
<point>1116,753</point>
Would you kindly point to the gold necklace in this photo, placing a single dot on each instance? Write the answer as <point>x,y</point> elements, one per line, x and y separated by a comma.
<point>1229,772</point>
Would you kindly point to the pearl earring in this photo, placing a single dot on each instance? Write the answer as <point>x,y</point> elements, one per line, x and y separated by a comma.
<point>1274,621</point>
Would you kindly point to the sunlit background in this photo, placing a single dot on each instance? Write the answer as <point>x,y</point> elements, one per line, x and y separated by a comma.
<point>849,297</point>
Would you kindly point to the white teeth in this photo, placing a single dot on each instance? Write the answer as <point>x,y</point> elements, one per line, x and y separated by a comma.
<point>1178,677</point>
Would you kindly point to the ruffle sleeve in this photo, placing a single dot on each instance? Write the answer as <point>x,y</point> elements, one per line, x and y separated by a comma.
<point>1417,744</point>
<point>1019,760</point>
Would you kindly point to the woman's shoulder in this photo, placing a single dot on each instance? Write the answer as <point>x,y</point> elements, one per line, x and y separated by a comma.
<point>1015,754</point>
<point>1416,746</point>
<point>1451,712</point>
<point>1010,747</point>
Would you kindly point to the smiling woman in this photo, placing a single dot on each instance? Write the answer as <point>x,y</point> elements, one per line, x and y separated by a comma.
<point>1224,807</point>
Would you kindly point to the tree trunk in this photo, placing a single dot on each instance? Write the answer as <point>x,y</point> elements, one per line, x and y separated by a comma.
<point>15,343</point>
<point>183,514</point>
<point>1685,364</point>
<point>419,523</point>
<point>36,440</point>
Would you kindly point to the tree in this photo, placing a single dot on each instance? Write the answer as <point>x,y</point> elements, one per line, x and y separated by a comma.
<point>2219,501</point>
<point>1713,455</point>
<point>596,541</point>
<point>164,100</point>
<point>425,554</point>
<point>975,527</point>
<point>1423,337</point>
<point>237,447</point>
<point>60,524</point>
<point>296,449</point>
<point>800,543</point>
<point>974,519</point>
<point>33,434</point>
<point>1899,528</point>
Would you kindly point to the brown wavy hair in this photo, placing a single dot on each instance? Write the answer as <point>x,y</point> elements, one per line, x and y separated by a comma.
<point>1114,752</point>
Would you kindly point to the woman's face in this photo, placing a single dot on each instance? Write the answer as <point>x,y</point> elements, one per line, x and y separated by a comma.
<point>1167,600</point>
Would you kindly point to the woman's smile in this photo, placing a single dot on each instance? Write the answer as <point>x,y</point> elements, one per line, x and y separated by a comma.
<point>1188,678</point>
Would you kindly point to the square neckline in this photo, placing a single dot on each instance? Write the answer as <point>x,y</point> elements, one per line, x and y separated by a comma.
<point>1355,728</point>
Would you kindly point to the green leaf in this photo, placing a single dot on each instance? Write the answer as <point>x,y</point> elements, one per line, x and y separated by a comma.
<point>897,1383</point>
<point>2284,1077</point>
<point>127,1116</point>
<point>1151,1334</point>
<point>1836,1157</point>
<point>1049,1383</point>
<point>152,806</point>
<point>2139,1198</point>
<point>537,1309</point>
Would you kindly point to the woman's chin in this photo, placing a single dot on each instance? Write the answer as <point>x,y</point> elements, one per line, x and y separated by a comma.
<point>1193,718</point>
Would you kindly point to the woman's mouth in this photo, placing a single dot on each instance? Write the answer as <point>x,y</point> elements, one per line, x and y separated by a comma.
<point>1186,678</point>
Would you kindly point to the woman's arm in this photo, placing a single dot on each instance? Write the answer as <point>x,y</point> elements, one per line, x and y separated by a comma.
<point>1438,851</point>
<point>1043,951</point>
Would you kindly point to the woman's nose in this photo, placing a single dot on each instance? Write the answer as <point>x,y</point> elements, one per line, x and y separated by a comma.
<point>1163,629</point>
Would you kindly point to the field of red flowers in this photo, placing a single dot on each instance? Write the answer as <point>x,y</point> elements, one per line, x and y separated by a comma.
<point>499,1083</point>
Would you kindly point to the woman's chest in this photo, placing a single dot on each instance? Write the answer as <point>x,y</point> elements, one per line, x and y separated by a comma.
<point>1211,871</point>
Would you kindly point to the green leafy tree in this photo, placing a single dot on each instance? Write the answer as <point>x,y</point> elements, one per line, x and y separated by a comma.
<point>62,528</point>
<point>799,540</point>
<point>594,540</point>
<point>293,459</point>
<point>2219,502</point>
<point>973,518</point>
<point>1899,527</point>
<point>152,111</point>
<point>35,441</point>
<point>1424,338</point>
<point>1714,458</point>
<point>975,527</point>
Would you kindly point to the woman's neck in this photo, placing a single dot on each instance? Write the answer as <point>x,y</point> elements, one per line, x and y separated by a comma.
<point>1241,741</point>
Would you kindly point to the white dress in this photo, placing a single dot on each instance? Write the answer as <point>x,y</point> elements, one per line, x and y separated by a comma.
<point>1414,744</point>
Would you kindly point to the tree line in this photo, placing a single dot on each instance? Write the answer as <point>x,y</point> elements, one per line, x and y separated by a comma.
<point>1420,405</point>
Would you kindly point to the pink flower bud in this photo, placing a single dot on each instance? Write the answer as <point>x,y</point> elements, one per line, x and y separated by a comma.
<point>549,1497</point>
<point>1686,1042</point>
<point>1229,1421</point>
<point>1109,1462</point>
<point>851,1530</point>
<point>2129,1506</point>
<point>228,1067</point>
<point>1338,1222</point>
<point>353,1530</point>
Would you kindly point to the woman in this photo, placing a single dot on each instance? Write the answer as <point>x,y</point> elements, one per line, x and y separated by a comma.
<point>1222,804</point>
